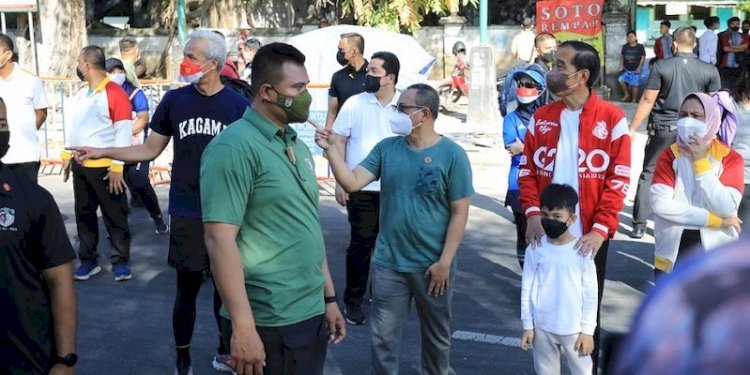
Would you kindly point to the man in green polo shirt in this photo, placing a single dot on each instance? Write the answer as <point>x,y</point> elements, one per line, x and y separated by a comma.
<point>260,209</point>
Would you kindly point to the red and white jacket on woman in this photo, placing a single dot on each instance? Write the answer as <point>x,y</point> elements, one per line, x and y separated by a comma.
<point>694,195</point>
<point>603,162</point>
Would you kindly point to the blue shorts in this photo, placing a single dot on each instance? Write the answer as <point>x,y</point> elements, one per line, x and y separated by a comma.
<point>630,77</point>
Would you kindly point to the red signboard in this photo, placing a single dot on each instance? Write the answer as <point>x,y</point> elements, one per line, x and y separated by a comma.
<point>572,20</point>
<point>18,6</point>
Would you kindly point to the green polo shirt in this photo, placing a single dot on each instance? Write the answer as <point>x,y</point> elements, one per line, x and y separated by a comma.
<point>248,180</point>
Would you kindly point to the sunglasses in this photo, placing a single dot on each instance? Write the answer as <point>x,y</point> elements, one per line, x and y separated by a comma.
<point>528,85</point>
<point>403,107</point>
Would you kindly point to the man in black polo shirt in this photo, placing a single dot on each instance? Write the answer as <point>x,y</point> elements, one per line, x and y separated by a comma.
<point>38,299</point>
<point>670,81</point>
<point>350,80</point>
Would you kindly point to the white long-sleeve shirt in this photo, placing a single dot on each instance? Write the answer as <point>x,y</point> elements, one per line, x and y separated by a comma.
<point>559,290</point>
<point>707,46</point>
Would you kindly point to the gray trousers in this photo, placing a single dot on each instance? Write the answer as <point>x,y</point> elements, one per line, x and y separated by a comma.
<point>547,348</point>
<point>392,294</point>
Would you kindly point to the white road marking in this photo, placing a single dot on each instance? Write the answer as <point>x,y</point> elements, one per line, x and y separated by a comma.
<point>487,338</point>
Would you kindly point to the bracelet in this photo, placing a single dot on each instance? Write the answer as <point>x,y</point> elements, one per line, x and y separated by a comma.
<point>331,299</point>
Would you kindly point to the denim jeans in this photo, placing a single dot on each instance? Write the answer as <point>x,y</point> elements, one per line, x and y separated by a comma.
<point>392,294</point>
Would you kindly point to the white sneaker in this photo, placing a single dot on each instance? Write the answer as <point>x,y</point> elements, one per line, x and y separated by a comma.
<point>220,363</point>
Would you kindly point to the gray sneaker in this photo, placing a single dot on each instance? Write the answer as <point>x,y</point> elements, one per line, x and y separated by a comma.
<point>220,363</point>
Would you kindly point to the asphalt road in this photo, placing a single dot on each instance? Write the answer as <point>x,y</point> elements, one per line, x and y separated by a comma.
<point>125,328</point>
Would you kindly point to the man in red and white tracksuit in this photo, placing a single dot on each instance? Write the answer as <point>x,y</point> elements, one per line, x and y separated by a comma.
<point>582,141</point>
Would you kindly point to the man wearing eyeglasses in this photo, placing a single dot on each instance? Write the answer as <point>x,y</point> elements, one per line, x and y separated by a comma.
<point>427,188</point>
<point>359,126</point>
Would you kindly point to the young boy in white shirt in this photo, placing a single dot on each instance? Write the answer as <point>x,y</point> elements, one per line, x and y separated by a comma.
<point>559,291</point>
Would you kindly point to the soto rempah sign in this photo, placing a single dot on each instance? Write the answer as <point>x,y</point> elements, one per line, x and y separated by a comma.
<point>572,20</point>
<point>19,6</point>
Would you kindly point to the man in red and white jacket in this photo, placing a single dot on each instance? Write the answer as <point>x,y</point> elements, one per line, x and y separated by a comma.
<point>581,141</point>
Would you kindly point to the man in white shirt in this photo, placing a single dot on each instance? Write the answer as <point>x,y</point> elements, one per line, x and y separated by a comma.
<point>522,45</point>
<point>26,101</point>
<point>709,41</point>
<point>361,123</point>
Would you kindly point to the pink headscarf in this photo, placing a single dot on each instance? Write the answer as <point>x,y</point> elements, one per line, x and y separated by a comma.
<point>713,116</point>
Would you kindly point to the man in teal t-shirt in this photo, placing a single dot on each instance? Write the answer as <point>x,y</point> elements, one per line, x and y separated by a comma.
<point>260,209</point>
<point>425,190</point>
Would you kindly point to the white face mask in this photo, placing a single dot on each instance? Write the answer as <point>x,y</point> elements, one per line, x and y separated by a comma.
<point>688,126</point>
<point>193,78</point>
<point>401,123</point>
<point>118,78</point>
<point>527,99</point>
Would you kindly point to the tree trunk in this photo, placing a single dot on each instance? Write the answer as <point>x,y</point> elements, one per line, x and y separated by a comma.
<point>224,14</point>
<point>63,33</point>
<point>167,17</point>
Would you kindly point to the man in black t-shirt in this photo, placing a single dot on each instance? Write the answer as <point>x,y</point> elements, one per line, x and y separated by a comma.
<point>350,80</point>
<point>631,61</point>
<point>36,277</point>
<point>671,80</point>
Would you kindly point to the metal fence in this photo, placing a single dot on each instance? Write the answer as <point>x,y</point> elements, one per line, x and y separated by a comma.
<point>60,90</point>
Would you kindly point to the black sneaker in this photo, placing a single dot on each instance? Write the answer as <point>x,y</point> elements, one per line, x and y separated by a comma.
<point>354,315</point>
<point>160,227</point>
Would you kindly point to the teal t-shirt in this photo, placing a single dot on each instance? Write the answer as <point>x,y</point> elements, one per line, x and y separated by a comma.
<point>248,179</point>
<point>416,189</point>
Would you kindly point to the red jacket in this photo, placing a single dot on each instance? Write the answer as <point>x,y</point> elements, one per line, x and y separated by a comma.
<point>604,162</point>
<point>726,41</point>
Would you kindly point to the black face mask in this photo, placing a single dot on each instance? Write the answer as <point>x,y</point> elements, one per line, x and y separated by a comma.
<point>341,59</point>
<point>79,73</point>
<point>372,83</point>
<point>549,57</point>
<point>4,143</point>
<point>553,228</point>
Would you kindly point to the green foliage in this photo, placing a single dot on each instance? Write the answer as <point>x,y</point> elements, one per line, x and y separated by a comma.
<point>744,5</point>
<point>398,15</point>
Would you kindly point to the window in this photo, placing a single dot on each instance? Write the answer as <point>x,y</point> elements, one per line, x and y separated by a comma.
<point>699,13</point>
<point>660,14</point>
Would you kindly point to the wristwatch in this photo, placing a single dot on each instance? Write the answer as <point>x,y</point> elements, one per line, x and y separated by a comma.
<point>69,359</point>
<point>331,299</point>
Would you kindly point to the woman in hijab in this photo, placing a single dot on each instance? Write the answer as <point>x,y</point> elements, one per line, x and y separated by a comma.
<point>529,94</point>
<point>697,186</point>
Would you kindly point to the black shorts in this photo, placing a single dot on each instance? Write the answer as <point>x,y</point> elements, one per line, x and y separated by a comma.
<point>187,249</point>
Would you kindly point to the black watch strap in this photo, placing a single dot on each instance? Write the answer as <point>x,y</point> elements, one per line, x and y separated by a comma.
<point>331,299</point>
<point>69,359</point>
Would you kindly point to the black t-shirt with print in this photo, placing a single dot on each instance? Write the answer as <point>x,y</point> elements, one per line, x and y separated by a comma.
<point>32,239</point>
<point>631,56</point>
<point>193,120</point>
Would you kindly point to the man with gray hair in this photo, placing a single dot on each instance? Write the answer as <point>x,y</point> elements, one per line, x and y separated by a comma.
<point>129,54</point>
<point>192,115</point>
<point>426,190</point>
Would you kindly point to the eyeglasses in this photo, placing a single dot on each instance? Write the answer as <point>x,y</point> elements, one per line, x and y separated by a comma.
<point>403,107</point>
<point>528,85</point>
